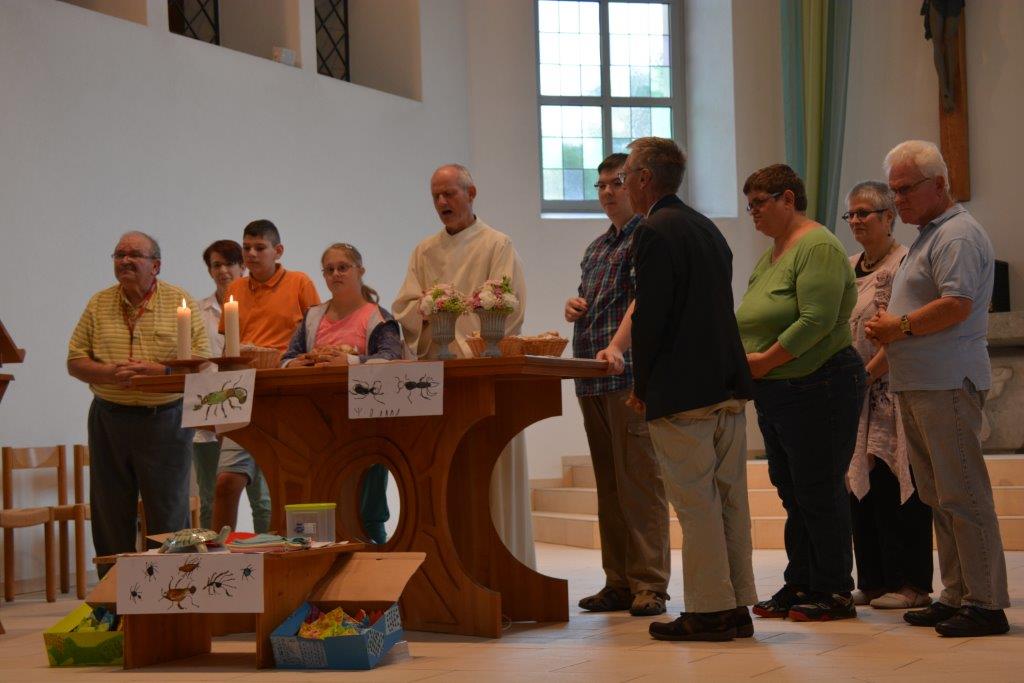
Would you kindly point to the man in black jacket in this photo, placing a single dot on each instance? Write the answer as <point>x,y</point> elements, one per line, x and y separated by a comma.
<point>692,379</point>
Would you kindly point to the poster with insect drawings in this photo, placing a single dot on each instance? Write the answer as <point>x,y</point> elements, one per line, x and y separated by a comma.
<point>152,583</point>
<point>395,390</point>
<point>221,399</point>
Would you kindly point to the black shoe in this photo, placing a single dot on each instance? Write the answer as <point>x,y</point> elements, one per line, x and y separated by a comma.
<point>930,615</point>
<point>970,621</point>
<point>824,607</point>
<point>777,607</point>
<point>744,624</point>
<point>714,626</point>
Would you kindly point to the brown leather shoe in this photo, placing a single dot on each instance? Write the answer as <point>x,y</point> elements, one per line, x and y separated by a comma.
<point>712,626</point>
<point>647,604</point>
<point>608,599</point>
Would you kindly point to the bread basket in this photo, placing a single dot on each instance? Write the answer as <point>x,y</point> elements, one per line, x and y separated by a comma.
<point>262,358</point>
<point>509,346</point>
<point>544,346</point>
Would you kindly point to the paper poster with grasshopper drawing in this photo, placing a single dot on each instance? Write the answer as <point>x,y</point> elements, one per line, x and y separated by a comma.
<point>221,399</point>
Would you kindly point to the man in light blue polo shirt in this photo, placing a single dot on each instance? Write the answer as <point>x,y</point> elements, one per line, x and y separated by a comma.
<point>935,335</point>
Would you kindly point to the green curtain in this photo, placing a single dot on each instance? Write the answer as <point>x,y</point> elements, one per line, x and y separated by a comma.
<point>815,70</point>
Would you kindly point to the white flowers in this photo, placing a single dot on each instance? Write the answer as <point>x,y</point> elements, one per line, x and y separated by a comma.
<point>495,295</point>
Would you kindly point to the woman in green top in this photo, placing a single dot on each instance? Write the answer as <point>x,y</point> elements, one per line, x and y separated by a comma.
<point>808,390</point>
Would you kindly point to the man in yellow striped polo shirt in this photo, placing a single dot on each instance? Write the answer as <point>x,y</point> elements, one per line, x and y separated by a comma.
<point>136,442</point>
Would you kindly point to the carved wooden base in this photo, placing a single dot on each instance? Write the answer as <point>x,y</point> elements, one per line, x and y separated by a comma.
<point>310,451</point>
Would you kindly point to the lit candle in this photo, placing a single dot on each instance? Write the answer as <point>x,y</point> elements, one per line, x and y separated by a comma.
<point>231,349</point>
<point>184,331</point>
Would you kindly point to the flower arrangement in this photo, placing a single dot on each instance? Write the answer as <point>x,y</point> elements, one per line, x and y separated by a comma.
<point>443,298</point>
<point>495,295</point>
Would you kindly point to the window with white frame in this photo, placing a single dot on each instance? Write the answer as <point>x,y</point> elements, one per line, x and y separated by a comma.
<point>608,72</point>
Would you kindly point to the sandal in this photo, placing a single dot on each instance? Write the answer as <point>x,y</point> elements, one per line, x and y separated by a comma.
<point>608,599</point>
<point>647,604</point>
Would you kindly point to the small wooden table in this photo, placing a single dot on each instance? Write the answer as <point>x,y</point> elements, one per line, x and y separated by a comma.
<point>288,579</point>
<point>309,451</point>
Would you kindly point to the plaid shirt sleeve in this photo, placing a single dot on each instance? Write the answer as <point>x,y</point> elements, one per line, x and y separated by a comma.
<point>608,283</point>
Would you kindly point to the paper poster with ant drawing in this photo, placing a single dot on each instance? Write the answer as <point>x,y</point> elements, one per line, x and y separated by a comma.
<point>220,399</point>
<point>175,583</point>
<point>395,389</point>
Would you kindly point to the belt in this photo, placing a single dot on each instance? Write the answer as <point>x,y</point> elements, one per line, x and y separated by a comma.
<point>135,410</point>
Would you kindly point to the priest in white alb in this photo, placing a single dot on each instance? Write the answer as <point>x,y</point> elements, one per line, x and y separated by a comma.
<point>466,253</point>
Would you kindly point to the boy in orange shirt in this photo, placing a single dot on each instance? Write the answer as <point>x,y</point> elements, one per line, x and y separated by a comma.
<point>271,304</point>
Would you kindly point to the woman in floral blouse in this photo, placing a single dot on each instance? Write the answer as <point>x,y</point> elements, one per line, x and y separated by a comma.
<point>892,528</point>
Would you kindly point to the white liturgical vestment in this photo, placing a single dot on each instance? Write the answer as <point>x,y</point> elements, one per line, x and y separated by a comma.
<point>467,259</point>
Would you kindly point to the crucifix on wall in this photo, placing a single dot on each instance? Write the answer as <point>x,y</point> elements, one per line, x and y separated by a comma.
<point>944,26</point>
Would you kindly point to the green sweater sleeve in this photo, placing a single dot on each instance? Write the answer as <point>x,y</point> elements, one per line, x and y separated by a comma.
<point>819,294</point>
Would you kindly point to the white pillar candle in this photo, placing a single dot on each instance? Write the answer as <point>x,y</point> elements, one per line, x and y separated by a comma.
<point>231,346</point>
<point>184,331</point>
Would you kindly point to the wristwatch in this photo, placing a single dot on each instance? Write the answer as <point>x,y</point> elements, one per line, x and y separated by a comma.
<point>905,326</point>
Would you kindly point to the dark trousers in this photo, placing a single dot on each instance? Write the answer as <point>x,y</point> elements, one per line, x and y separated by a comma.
<point>892,542</point>
<point>809,426</point>
<point>373,503</point>
<point>136,450</point>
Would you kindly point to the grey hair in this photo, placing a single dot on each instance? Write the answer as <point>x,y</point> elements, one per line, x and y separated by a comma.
<point>876,192</point>
<point>464,178</point>
<point>663,158</point>
<point>925,156</point>
<point>155,246</point>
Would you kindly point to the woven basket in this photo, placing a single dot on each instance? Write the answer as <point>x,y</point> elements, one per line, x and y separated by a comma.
<point>263,358</point>
<point>544,347</point>
<point>476,345</point>
<point>509,346</point>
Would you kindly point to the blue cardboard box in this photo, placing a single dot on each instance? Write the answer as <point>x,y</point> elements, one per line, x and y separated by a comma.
<point>369,581</point>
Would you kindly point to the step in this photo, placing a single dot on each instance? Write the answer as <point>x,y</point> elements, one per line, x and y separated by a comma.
<point>566,529</point>
<point>767,533</point>
<point>1009,501</point>
<point>1005,470</point>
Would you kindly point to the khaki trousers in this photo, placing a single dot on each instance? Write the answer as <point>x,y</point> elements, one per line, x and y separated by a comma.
<point>631,509</point>
<point>943,431</point>
<point>704,466</point>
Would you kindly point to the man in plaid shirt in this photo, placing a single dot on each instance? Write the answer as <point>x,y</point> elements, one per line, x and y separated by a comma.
<point>631,507</point>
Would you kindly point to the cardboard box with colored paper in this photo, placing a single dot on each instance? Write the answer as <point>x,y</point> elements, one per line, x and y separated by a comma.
<point>367,581</point>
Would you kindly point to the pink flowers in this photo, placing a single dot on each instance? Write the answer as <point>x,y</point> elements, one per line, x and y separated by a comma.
<point>443,298</point>
<point>495,295</point>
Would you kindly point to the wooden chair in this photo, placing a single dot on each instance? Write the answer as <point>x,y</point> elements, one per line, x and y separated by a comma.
<point>12,518</point>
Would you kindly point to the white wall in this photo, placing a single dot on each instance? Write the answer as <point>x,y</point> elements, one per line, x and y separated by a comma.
<point>893,96</point>
<point>385,45</point>
<point>107,126</point>
<point>504,134</point>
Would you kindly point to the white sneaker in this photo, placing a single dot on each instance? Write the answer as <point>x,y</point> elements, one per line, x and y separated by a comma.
<point>901,601</point>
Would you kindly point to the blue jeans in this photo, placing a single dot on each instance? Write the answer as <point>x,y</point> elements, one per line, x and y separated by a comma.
<point>809,426</point>
<point>373,503</point>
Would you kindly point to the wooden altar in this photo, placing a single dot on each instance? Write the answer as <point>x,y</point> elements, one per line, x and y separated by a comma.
<point>310,451</point>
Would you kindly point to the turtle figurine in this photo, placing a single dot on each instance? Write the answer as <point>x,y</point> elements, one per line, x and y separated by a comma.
<point>194,540</point>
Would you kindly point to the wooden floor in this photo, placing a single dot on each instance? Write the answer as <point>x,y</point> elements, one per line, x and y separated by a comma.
<point>597,648</point>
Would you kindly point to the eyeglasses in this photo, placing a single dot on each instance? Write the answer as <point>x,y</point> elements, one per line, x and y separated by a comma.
<point>860,214</point>
<point>758,203</point>
<point>907,189</point>
<point>341,269</point>
<point>133,255</point>
<point>621,175</point>
<point>615,184</point>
